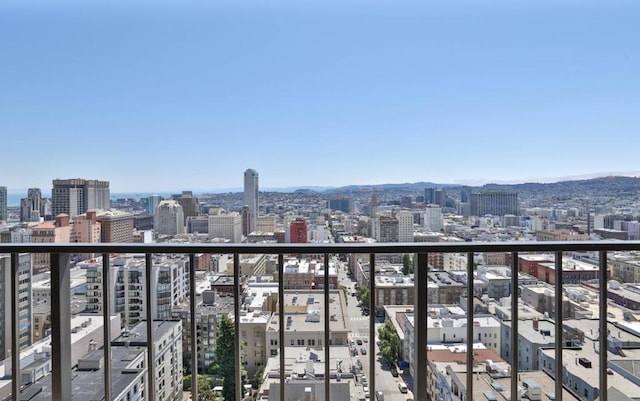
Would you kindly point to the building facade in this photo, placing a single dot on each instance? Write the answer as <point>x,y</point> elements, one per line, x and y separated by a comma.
<point>76,196</point>
<point>169,218</point>
<point>250,197</point>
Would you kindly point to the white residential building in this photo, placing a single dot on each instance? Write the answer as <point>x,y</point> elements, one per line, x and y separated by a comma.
<point>128,286</point>
<point>405,225</point>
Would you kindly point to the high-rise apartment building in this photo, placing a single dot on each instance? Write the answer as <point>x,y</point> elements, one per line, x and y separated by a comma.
<point>24,303</point>
<point>405,225</point>
<point>75,196</point>
<point>250,197</point>
<point>169,286</point>
<point>169,218</point>
<point>298,231</point>
<point>387,229</point>
<point>3,204</point>
<point>495,203</point>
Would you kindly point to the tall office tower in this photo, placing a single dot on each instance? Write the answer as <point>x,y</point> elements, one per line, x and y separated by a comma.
<point>465,194</point>
<point>169,218</point>
<point>3,204</point>
<point>342,204</point>
<point>75,196</point>
<point>24,302</point>
<point>430,195</point>
<point>440,197</point>
<point>251,195</point>
<point>32,207</point>
<point>152,203</point>
<point>494,203</point>
<point>374,204</point>
<point>190,205</point>
<point>225,225</point>
<point>433,218</point>
<point>405,226</point>
<point>298,231</point>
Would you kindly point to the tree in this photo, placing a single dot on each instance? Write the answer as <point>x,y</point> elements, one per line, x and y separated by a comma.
<point>388,342</point>
<point>225,361</point>
<point>407,264</point>
<point>364,295</point>
<point>205,390</point>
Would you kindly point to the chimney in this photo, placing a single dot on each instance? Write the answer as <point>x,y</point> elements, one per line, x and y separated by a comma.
<point>535,324</point>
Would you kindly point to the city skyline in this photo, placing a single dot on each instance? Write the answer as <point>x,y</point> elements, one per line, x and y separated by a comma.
<point>321,94</point>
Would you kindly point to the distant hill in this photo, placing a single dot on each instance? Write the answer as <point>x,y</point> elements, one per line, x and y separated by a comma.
<point>602,186</point>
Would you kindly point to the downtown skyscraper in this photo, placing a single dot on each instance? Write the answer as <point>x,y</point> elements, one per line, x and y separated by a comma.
<point>250,198</point>
<point>76,196</point>
<point>3,203</point>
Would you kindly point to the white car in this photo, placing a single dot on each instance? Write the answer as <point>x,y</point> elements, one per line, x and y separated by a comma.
<point>366,392</point>
<point>402,387</point>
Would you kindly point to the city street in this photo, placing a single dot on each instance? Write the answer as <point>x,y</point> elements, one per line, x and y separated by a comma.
<point>385,381</point>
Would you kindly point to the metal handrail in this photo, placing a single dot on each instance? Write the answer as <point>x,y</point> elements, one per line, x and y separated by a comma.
<point>60,263</point>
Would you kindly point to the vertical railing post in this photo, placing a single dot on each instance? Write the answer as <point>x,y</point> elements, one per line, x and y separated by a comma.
<point>193,326</point>
<point>236,324</point>
<point>514,324</point>
<point>281,323</point>
<point>60,327</point>
<point>470,289</point>
<point>15,325</point>
<point>327,331</point>
<point>420,314</point>
<point>372,322</point>
<point>558,331</point>
<point>602,275</point>
<point>106,325</point>
<point>149,308</point>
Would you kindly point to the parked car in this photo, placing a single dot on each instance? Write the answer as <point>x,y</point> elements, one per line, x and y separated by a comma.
<point>379,395</point>
<point>402,387</point>
<point>363,351</point>
<point>394,371</point>
<point>359,341</point>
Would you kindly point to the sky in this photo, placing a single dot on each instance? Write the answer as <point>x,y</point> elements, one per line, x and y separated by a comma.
<point>185,95</point>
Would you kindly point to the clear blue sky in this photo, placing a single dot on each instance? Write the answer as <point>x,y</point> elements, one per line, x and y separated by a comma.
<point>164,96</point>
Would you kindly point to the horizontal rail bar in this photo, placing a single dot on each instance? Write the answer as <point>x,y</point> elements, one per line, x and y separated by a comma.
<point>378,248</point>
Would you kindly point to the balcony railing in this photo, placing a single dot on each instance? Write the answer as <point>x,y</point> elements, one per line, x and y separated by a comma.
<point>61,299</point>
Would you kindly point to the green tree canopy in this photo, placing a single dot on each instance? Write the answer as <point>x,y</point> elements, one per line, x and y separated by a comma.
<point>407,264</point>
<point>225,361</point>
<point>364,295</point>
<point>389,342</point>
